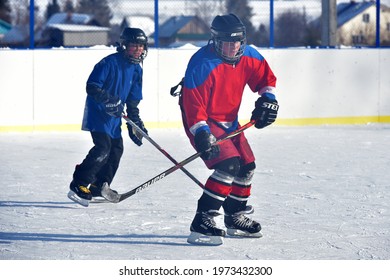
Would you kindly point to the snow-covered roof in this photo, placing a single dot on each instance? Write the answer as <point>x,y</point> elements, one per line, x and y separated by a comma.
<point>69,18</point>
<point>347,11</point>
<point>173,24</point>
<point>146,23</point>
<point>78,28</point>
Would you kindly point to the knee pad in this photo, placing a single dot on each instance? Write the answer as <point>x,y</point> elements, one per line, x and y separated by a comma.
<point>245,175</point>
<point>230,166</point>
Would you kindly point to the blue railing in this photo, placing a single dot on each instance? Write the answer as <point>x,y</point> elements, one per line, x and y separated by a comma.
<point>271,24</point>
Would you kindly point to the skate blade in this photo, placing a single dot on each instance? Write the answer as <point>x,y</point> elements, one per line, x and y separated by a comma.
<point>72,196</point>
<point>240,233</point>
<point>99,200</point>
<point>109,194</point>
<point>197,238</point>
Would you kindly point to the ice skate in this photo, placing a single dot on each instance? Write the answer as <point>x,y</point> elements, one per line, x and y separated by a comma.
<point>109,194</point>
<point>238,224</point>
<point>79,194</point>
<point>96,191</point>
<point>204,230</point>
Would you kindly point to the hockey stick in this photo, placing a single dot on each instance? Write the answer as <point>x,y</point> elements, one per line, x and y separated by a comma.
<point>147,137</point>
<point>114,197</point>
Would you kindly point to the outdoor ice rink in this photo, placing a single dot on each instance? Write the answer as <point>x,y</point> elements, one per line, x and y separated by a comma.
<point>320,193</point>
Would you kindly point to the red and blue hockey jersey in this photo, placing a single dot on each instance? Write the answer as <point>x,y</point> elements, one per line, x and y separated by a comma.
<point>213,89</point>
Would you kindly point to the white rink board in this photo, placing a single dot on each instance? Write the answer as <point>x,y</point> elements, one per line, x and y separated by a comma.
<point>47,87</point>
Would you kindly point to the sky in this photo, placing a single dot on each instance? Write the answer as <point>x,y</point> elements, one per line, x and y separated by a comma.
<point>320,193</point>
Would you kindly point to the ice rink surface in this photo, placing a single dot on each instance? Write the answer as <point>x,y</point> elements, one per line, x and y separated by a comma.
<point>320,193</point>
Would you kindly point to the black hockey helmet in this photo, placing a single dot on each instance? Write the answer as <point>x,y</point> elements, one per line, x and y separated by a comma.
<point>135,36</point>
<point>228,28</point>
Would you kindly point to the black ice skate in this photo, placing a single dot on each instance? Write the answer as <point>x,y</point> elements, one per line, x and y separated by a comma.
<point>79,194</point>
<point>95,190</point>
<point>238,224</point>
<point>204,230</point>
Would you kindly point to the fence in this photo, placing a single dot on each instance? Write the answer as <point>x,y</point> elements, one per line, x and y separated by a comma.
<point>168,23</point>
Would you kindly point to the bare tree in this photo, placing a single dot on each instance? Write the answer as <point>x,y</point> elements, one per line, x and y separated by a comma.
<point>207,10</point>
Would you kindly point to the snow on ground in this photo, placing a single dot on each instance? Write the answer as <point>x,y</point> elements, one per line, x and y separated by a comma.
<point>320,193</point>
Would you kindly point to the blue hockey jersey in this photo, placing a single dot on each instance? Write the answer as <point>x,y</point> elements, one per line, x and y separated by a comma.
<point>118,77</point>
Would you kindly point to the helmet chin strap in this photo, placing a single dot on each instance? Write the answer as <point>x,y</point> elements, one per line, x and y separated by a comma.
<point>132,59</point>
<point>122,49</point>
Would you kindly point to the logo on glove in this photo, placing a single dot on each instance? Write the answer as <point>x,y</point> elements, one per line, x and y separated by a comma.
<point>270,106</point>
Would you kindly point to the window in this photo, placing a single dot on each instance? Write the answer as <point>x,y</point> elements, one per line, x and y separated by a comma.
<point>366,18</point>
<point>357,39</point>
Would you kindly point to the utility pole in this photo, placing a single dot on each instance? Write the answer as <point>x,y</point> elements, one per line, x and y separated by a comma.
<point>329,23</point>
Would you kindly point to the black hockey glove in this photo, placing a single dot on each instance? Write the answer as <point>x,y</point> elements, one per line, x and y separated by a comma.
<point>112,104</point>
<point>203,143</point>
<point>134,135</point>
<point>114,107</point>
<point>266,110</point>
<point>100,95</point>
<point>133,115</point>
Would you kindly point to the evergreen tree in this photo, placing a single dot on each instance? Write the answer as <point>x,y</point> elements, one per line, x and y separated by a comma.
<point>98,8</point>
<point>52,8</point>
<point>242,9</point>
<point>295,20</point>
<point>262,37</point>
<point>5,11</point>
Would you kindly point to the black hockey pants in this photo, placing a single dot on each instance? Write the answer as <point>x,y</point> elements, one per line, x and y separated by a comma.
<point>102,161</point>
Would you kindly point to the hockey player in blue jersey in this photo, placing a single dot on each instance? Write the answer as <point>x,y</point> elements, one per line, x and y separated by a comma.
<point>114,84</point>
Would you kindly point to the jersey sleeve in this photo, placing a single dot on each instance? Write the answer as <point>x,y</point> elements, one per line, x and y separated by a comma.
<point>262,78</point>
<point>99,74</point>
<point>195,98</point>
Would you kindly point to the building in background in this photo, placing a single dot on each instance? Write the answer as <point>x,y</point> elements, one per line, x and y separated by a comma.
<point>181,30</point>
<point>356,23</point>
<point>72,30</point>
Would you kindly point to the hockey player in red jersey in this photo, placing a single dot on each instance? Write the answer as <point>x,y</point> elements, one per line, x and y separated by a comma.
<point>212,92</point>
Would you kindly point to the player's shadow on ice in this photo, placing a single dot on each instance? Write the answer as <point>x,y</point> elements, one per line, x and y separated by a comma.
<point>42,204</point>
<point>9,237</point>
<point>129,239</point>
